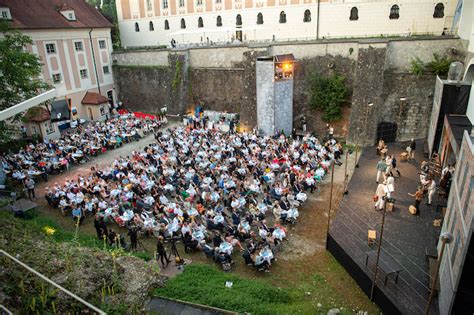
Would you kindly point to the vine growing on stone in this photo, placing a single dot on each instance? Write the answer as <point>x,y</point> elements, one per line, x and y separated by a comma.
<point>177,74</point>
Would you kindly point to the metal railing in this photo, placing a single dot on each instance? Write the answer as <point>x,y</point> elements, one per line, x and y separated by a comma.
<point>77,298</point>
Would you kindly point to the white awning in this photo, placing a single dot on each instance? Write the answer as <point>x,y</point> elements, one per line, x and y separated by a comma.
<point>25,105</point>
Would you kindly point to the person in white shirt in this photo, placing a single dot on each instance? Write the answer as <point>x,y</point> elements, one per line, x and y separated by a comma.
<point>431,190</point>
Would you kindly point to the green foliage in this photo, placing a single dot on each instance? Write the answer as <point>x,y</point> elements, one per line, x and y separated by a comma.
<point>177,74</point>
<point>19,69</point>
<point>327,94</point>
<point>439,65</point>
<point>203,284</point>
<point>416,66</point>
<point>109,10</point>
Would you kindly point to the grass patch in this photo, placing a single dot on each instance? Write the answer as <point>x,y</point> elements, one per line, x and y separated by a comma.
<point>38,222</point>
<point>205,284</point>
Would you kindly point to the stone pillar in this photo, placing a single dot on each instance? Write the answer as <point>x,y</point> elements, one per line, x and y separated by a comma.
<point>274,99</point>
<point>265,96</point>
<point>366,98</point>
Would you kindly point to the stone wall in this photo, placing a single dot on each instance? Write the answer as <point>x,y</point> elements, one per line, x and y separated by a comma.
<point>224,79</point>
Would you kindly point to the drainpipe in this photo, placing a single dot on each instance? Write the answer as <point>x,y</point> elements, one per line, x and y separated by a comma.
<point>93,60</point>
<point>317,21</point>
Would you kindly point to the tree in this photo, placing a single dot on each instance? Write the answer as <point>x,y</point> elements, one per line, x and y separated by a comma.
<point>19,73</point>
<point>109,10</point>
<point>327,94</point>
<point>19,69</point>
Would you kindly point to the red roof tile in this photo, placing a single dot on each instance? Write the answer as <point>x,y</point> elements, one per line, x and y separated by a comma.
<point>93,98</point>
<point>44,14</point>
<point>37,114</point>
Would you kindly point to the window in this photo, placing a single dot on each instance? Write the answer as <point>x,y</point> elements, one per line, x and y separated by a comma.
<point>238,20</point>
<point>183,23</point>
<point>83,73</point>
<point>354,14</point>
<point>282,17</point>
<point>151,27</point>
<point>468,196</point>
<point>137,27</point>
<point>102,44</point>
<point>4,15</point>
<point>199,2</point>
<point>50,48</point>
<point>56,78</point>
<point>218,1</point>
<point>394,12</point>
<point>78,46</point>
<point>181,3</point>
<point>149,5</point>
<point>454,249</point>
<point>200,22</point>
<point>219,21</point>
<point>71,16</point>
<point>105,69</point>
<point>165,4</point>
<point>439,11</point>
<point>260,18</point>
<point>307,16</point>
<point>167,25</point>
<point>49,127</point>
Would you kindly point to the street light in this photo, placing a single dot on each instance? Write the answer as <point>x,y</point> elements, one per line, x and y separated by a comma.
<point>446,238</point>
<point>378,249</point>
<point>330,203</point>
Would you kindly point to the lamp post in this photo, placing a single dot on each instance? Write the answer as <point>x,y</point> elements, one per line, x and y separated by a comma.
<point>356,161</point>
<point>345,175</point>
<point>446,238</point>
<point>330,202</point>
<point>378,251</point>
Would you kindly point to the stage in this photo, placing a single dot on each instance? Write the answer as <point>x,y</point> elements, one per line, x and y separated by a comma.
<point>406,238</point>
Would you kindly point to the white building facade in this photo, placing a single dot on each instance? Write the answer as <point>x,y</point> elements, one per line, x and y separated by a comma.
<point>73,42</point>
<point>157,22</point>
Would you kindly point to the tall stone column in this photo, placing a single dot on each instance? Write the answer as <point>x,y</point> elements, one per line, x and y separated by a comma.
<point>367,92</point>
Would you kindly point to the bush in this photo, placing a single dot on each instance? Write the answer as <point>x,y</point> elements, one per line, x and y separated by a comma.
<point>416,66</point>
<point>439,65</point>
<point>327,94</point>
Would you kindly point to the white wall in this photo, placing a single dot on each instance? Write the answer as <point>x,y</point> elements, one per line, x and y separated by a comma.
<point>416,17</point>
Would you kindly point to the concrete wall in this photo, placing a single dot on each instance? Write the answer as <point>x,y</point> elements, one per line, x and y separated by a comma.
<point>459,222</point>
<point>265,97</point>
<point>224,78</point>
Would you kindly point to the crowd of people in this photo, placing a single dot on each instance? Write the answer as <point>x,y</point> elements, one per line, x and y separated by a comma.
<point>217,192</point>
<point>74,146</point>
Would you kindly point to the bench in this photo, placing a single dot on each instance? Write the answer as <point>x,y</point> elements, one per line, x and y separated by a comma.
<point>386,264</point>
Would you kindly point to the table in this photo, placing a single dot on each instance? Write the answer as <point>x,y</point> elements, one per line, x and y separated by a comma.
<point>226,247</point>
<point>266,254</point>
<point>386,264</point>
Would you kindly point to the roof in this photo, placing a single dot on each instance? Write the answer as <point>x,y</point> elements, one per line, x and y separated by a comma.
<point>37,114</point>
<point>93,98</point>
<point>458,124</point>
<point>44,14</point>
<point>285,58</point>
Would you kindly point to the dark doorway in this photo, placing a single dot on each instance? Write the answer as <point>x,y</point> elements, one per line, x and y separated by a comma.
<point>110,96</point>
<point>387,131</point>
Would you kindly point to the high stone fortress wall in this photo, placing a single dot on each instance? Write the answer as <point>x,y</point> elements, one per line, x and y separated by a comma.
<point>224,78</point>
